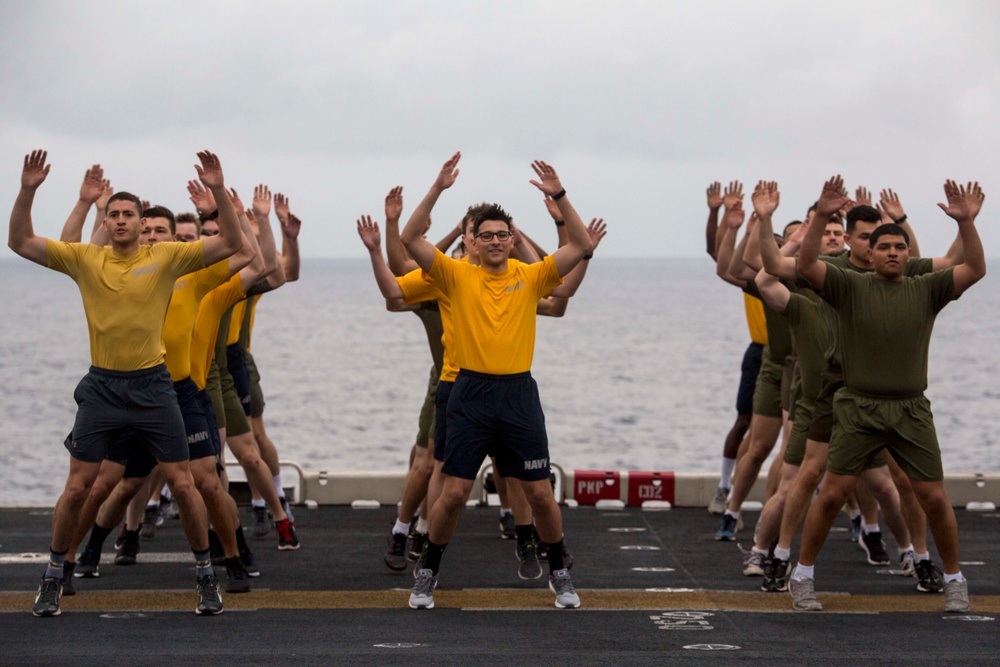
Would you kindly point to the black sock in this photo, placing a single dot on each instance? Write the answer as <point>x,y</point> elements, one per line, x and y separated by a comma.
<point>97,537</point>
<point>234,563</point>
<point>241,540</point>
<point>525,534</point>
<point>433,560</point>
<point>555,551</point>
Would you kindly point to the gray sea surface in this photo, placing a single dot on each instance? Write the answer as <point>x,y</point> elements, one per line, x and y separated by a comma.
<point>640,374</point>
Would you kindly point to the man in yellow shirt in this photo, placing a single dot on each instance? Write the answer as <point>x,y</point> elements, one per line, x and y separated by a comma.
<point>494,406</point>
<point>125,288</point>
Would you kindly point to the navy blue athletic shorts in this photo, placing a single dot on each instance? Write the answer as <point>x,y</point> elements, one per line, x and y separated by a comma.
<point>441,418</point>
<point>236,361</point>
<point>748,378</point>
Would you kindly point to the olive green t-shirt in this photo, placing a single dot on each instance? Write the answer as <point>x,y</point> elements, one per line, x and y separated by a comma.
<point>812,324</point>
<point>779,337</point>
<point>885,327</point>
<point>430,315</point>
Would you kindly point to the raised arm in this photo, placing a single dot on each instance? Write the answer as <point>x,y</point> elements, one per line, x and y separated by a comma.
<point>290,226</point>
<point>732,197</point>
<point>247,255</point>
<point>732,221</point>
<point>399,262</point>
<point>773,291</point>
<point>90,191</point>
<point>230,239</point>
<point>420,249</point>
<point>569,255</point>
<point>523,249</point>
<point>596,230</point>
<point>964,204</point>
<point>738,266</point>
<point>714,194</point>
<point>766,198</point>
<point>21,238</point>
<point>889,205</point>
<point>831,199</point>
<point>268,248</point>
<point>370,236</point>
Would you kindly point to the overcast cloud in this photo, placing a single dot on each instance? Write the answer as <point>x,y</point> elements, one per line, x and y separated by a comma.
<point>639,105</point>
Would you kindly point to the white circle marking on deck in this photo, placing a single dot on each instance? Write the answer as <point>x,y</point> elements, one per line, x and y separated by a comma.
<point>626,530</point>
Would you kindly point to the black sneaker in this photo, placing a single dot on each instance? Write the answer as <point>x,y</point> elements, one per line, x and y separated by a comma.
<point>215,549</point>
<point>395,552</point>
<point>209,597</point>
<point>416,547</point>
<point>121,537</point>
<point>287,539</point>
<point>507,531</point>
<point>47,600</point>
<point>249,562</point>
<point>129,549</point>
<point>929,579</point>
<point>856,528</point>
<point>86,567</point>
<point>67,580</point>
<point>776,573</point>
<point>237,579</point>
<point>261,523</point>
<point>150,520</point>
<point>873,545</point>
<point>528,566</point>
<point>727,528</point>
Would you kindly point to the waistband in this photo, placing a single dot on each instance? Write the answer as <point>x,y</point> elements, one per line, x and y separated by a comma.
<point>141,373</point>
<point>884,397</point>
<point>489,376</point>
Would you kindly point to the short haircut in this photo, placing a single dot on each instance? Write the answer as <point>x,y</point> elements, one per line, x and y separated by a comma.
<point>862,214</point>
<point>889,229</point>
<point>162,212</point>
<point>125,196</point>
<point>191,218</point>
<point>490,212</point>
<point>812,208</point>
<point>473,211</point>
<point>784,232</point>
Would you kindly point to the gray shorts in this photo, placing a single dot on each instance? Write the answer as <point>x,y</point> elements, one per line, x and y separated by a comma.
<point>113,403</point>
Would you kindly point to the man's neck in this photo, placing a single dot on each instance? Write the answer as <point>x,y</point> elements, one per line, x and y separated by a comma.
<point>857,261</point>
<point>124,250</point>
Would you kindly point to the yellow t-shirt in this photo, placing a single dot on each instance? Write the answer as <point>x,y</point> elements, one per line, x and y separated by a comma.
<point>178,328</point>
<point>125,298</point>
<point>418,286</point>
<point>206,326</point>
<point>234,327</point>
<point>756,322</point>
<point>494,314</point>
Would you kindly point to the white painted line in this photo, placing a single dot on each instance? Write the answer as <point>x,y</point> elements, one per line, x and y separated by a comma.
<point>653,569</point>
<point>106,558</point>
<point>627,530</point>
<point>607,504</point>
<point>974,506</point>
<point>639,547</point>
<point>365,504</point>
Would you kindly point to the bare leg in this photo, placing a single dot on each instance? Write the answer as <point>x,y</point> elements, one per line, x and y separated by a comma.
<point>800,493</point>
<point>763,434</point>
<point>192,508</point>
<point>258,474</point>
<point>941,517</point>
<point>220,505</point>
<point>822,514</point>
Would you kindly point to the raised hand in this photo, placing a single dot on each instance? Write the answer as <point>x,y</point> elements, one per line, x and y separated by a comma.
<point>714,194</point>
<point>449,172</point>
<point>964,201</point>
<point>765,198</point>
<point>281,207</point>
<point>35,170</point>
<point>890,204</point>
<point>146,204</point>
<point>210,170</point>
<point>733,194</point>
<point>735,216</point>
<point>847,206</point>
<point>800,232</point>
<point>106,192</point>
<point>251,218</point>
<point>235,198</point>
<point>394,203</point>
<point>832,198</point>
<point>93,185</point>
<point>553,208</point>
<point>548,181</point>
<point>862,197</point>
<point>596,230</point>
<point>291,227</point>
<point>203,200</point>
<point>262,201</point>
<point>369,233</point>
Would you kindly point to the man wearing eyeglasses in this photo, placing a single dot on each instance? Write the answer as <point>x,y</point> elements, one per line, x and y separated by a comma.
<point>494,406</point>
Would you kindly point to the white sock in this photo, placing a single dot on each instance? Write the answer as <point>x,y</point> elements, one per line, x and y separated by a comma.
<point>735,515</point>
<point>782,554</point>
<point>153,503</point>
<point>422,527</point>
<point>903,550</point>
<point>921,557</point>
<point>762,552</point>
<point>728,466</point>
<point>803,572</point>
<point>505,511</point>
<point>278,487</point>
<point>854,514</point>
<point>258,502</point>
<point>401,528</point>
<point>954,577</point>
<point>869,528</point>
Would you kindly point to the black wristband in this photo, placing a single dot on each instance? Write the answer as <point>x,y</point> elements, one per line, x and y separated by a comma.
<point>559,195</point>
<point>560,223</point>
<point>901,220</point>
<point>589,255</point>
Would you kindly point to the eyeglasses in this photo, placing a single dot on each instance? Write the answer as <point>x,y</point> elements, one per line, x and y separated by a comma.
<point>486,237</point>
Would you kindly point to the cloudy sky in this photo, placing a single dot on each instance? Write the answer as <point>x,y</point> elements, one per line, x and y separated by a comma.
<point>639,105</point>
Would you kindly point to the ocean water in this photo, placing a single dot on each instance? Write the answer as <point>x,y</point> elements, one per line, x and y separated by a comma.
<point>640,374</point>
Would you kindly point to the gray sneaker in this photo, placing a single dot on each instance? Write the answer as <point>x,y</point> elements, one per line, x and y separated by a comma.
<point>262,524</point>
<point>753,564</point>
<point>803,595</point>
<point>422,596</point>
<point>150,520</point>
<point>49,592</point>
<point>529,567</point>
<point>907,567</point>
<point>209,597</point>
<point>561,584</point>
<point>956,596</point>
<point>718,504</point>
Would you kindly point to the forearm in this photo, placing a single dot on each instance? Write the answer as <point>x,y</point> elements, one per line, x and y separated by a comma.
<point>268,246</point>
<point>572,280</point>
<point>525,251</point>
<point>443,245</point>
<point>539,250</point>
<point>420,249</point>
<point>914,246</point>
<point>250,249</point>
<point>575,230</point>
<point>290,258</point>
<point>229,224</point>
<point>72,231</point>
<point>21,229</point>
<point>972,247</point>
<point>751,254</point>
<point>386,281</point>
<point>399,262</point>
<point>736,267</point>
<point>712,233</point>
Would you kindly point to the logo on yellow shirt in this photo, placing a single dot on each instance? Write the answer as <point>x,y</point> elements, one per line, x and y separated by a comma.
<point>143,270</point>
<point>515,287</point>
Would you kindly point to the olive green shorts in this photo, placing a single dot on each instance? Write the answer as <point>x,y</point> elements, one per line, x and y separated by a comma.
<point>767,392</point>
<point>795,450</point>
<point>426,425</point>
<point>789,379</point>
<point>822,416</point>
<point>865,425</point>
<point>237,422</point>
<point>256,395</point>
<point>214,388</point>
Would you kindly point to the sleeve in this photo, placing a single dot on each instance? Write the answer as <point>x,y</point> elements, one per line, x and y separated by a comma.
<point>942,288</point>
<point>443,271</point>
<point>63,257</point>
<point>418,286</point>
<point>211,277</point>
<point>918,266</point>
<point>836,286</point>
<point>547,276</point>
<point>793,309</point>
<point>751,288</point>
<point>184,257</point>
